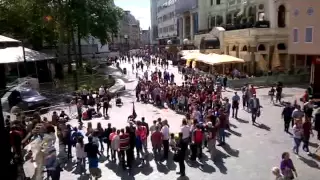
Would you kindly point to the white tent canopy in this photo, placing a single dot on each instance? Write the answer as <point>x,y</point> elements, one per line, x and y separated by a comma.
<point>15,55</point>
<point>7,39</point>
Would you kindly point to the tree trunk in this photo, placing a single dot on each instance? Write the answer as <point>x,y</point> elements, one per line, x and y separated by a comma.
<point>79,46</point>
<point>69,43</point>
<point>69,53</point>
<point>74,47</point>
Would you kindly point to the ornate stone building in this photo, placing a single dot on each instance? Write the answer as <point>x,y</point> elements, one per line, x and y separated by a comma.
<point>254,30</point>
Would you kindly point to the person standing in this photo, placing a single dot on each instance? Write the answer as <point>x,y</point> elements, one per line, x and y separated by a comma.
<point>297,114</point>
<point>254,105</point>
<point>197,138</point>
<point>105,106</point>
<point>222,126</point>
<point>212,134</point>
<point>81,155</point>
<point>124,147</point>
<point>287,116</point>
<point>235,105</point>
<point>156,141</point>
<point>165,139</point>
<point>307,132</point>
<point>146,127</point>
<point>317,123</point>
<point>297,135</point>
<point>106,135</point>
<point>181,149</point>
<point>92,151</point>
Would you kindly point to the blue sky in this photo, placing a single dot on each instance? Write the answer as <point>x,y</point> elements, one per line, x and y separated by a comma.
<point>139,8</point>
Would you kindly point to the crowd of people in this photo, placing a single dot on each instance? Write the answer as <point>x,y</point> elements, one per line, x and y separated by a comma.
<point>199,97</point>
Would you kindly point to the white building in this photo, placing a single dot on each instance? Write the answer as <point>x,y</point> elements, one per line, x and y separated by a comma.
<point>154,22</point>
<point>167,24</point>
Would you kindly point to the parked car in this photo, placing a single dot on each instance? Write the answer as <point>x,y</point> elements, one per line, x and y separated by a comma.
<point>24,98</point>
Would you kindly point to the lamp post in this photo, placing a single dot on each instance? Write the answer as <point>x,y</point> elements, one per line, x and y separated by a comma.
<point>75,78</point>
<point>126,37</point>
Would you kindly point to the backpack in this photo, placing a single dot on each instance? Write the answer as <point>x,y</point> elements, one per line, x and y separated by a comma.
<point>198,136</point>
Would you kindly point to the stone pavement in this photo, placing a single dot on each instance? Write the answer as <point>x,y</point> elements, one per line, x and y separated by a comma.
<point>250,154</point>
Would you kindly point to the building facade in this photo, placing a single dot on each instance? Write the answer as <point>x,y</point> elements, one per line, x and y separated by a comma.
<point>145,37</point>
<point>154,22</point>
<point>254,30</point>
<point>166,19</point>
<point>187,18</point>
<point>128,36</point>
<point>303,44</point>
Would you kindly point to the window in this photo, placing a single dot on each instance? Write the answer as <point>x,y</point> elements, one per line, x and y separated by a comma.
<point>309,35</point>
<point>282,16</point>
<point>295,35</point>
<point>211,2</point>
<point>218,2</point>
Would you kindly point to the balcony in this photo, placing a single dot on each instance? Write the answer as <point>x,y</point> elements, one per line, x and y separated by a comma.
<point>252,32</point>
<point>182,6</point>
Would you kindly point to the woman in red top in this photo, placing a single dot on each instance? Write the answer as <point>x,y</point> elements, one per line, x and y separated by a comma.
<point>253,90</point>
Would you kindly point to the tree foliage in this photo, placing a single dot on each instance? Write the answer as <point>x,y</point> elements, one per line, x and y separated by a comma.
<point>44,21</point>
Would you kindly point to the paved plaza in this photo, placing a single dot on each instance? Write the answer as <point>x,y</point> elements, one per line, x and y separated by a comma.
<point>250,154</point>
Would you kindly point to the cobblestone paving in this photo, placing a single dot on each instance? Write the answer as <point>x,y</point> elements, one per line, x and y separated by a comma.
<point>250,154</point>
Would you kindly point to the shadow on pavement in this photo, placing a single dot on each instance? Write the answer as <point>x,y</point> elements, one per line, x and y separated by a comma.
<point>219,161</point>
<point>262,126</point>
<point>230,151</point>
<point>309,162</point>
<point>234,132</point>
<point>242,121</point>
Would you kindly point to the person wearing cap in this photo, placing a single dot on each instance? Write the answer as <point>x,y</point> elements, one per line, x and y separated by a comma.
<point>254,106</point>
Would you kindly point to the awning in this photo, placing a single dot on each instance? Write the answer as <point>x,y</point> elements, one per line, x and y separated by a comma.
<point>15,55</point>
<point>194,55</point>
<point>186,52</point>
<point>214,59</point>
<point>7,39</point>
<point>209,58</point>
<point>229,59</point>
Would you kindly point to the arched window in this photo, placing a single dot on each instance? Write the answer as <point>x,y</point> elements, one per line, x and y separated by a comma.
<point>281,46</point>
<point>261,47</point>
<point>234,48</point>
<point>282,16</point>
<point>244,48</point>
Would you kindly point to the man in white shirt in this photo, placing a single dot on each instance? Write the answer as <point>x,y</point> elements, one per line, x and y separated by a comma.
<point>185,130</point>
<point>165,139</point>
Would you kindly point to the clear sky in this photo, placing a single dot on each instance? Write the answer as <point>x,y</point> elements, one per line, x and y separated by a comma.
<point>139,8</point>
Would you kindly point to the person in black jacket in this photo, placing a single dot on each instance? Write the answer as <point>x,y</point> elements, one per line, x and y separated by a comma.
<point>181,152</point>
<point>317,123</point>
<point>287,116</point>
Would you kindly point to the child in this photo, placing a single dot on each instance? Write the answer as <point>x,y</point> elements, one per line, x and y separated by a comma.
<point>271,94</point>
<point>172,142</point>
